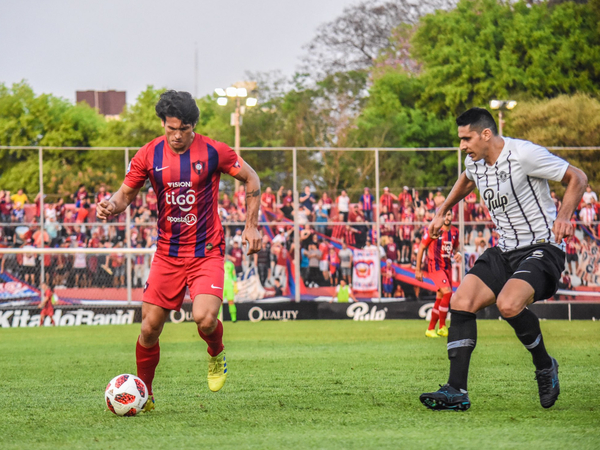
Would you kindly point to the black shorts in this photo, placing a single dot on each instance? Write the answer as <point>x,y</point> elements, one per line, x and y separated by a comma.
<point>539,265</point>
<point>572,257</point>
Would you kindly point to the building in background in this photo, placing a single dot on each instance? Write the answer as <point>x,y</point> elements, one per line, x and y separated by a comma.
<point>108,103</point>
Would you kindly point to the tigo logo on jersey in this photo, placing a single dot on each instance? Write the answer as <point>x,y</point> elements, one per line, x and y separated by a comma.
<point>184,201</point>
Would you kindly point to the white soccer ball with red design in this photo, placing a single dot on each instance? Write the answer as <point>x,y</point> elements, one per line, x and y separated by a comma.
<point>126,395</point>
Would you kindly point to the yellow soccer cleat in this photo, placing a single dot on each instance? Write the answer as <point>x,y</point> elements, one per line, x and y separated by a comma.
<point>217,371</point>
<point>431,334</point>
<point>149,406</point>
<point>443,331</point>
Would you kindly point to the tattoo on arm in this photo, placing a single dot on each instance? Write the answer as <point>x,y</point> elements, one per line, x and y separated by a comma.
<point>254,193</point>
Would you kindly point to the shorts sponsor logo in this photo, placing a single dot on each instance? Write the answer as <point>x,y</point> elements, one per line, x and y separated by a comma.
<point>184,201</point>
<point>190,219</point>
<point>256,314</point>
<point>360,311</point>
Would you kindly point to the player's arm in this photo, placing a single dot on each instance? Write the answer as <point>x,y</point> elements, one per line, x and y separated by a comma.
<point>418,273</point>
<point>248,176</point>
<point>117,203</point>
<point>576,181</point>
<point>463,187</point>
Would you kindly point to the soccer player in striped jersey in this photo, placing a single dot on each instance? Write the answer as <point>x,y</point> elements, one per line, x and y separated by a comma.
<point>184,169</point>
<point>439,257</point>
<point>512,176</point>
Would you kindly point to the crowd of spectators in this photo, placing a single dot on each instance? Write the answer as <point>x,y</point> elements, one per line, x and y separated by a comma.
<point>344,220</point>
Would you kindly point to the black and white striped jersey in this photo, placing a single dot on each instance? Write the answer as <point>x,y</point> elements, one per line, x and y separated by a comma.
<point>516,192</point>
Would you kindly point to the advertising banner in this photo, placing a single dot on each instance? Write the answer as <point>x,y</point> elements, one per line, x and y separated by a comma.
<point>366,272</point>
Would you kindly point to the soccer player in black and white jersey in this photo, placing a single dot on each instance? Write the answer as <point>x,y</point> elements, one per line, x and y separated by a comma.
<point>525,266</point>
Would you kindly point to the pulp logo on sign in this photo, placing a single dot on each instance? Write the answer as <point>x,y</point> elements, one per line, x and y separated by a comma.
<point>360,311</point>
<point>256,314</point>
<point>190,219</point>
<point>184,201</point>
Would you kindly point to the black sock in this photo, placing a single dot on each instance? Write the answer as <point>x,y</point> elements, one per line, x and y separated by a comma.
<point>462,338</point>
<point>527,327</point>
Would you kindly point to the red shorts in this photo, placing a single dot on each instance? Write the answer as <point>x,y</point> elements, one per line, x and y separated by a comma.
<point>169,276</point>
<point>440,278</point>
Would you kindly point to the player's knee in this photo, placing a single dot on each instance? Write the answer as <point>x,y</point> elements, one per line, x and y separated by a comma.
<point>508,308</point>
<point>206,322</point>
<point>459,302</point>
<point>150,331</point>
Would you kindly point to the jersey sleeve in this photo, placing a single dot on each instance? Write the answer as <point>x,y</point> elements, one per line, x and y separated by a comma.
<point>426,239</point>
<point>538,162</point>
<point>137,171</point>
<point>229,162</point>
<point>468,168</point>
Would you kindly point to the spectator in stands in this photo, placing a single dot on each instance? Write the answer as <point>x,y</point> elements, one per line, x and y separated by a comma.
<point>117,265</point>
<point>494,238</point>
<point>589,196</point>
<point>80,195</point>
<point>565,281</point>
<point>399,292</point>
<point>439,198</point>
<point>289,196</point>
<point>334,266</point>
<point>262,260</point>
<point>152,203</point>
<point>240,198</point>
<point>430,203</point>
<point>287,209</point>
<point>345,255</point>
<point>314,257</point>
<point>267,200</point>
<point>556,200</point>
<point>324,261</point>
<point>321,216</point>
<point>277,287</point>
<point>392,252</point>
<point>366,204</point>
<point>481,219</point>
<point>236,256</point>
<point>405,233</point>
<point>79,265</point>
<point>343,205</point>
<point>361,231</point>
<point>5,206</point>
<point>573,246</point>
<point>18,205</point>
<point>46,306</point>
<point>387,279</point>
<point>587,215</point>
<point>102,194</point>
<point>29,264</point>
<point>387,200</point>
<point>307,199</point>
<point>281,255</point>
<point>405,199</point>
<point>327,202</point>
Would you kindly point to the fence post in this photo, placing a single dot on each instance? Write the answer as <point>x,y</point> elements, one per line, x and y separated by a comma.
<point>296,229</point>
<point>128,236</point>
<point>42,259</point>
<point>377,220</point>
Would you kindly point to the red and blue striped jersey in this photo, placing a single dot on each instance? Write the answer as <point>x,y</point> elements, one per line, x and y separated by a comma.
<point>187,188</point>
<point>439,251</point>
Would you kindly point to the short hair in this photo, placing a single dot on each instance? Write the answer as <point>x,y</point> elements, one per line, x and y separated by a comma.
<point>479,119</point>
<point>178,104</point>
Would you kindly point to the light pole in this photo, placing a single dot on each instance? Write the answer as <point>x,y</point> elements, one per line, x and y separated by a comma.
<point>502,105</point>
<point>237,92</point>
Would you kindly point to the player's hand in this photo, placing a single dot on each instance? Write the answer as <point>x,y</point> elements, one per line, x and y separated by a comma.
<point>253,238</point>
<point>104,209</point>
<point>435,226</point>
<point>457,257</point>
<point>418,275</point>
<point>562,229</point>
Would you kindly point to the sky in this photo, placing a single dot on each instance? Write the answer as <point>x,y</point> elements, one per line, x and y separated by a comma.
<point>61,46</point>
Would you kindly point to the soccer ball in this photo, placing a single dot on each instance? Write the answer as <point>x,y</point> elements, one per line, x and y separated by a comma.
<point>126,395</point>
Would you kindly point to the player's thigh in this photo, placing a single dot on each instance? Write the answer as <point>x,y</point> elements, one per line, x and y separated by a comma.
<point>514,297</point>
<point>472,295</point>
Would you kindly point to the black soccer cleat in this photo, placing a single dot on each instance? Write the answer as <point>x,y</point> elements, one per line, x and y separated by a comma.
<point>548,384</point>
<point>446,398</point>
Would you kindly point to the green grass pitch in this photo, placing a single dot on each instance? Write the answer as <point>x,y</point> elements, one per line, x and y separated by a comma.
<point>305,384</point>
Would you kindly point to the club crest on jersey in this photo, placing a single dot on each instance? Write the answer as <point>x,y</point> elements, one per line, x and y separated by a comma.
<point>502,176</point>
<point>198,167</point>
<point>494,202</point>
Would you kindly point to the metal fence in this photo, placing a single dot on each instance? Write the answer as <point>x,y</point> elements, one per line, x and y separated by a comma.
<point>38,225</point>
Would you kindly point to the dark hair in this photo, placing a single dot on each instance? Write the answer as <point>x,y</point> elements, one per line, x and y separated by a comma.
<point>479,119</point>
<point>178,104</point>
